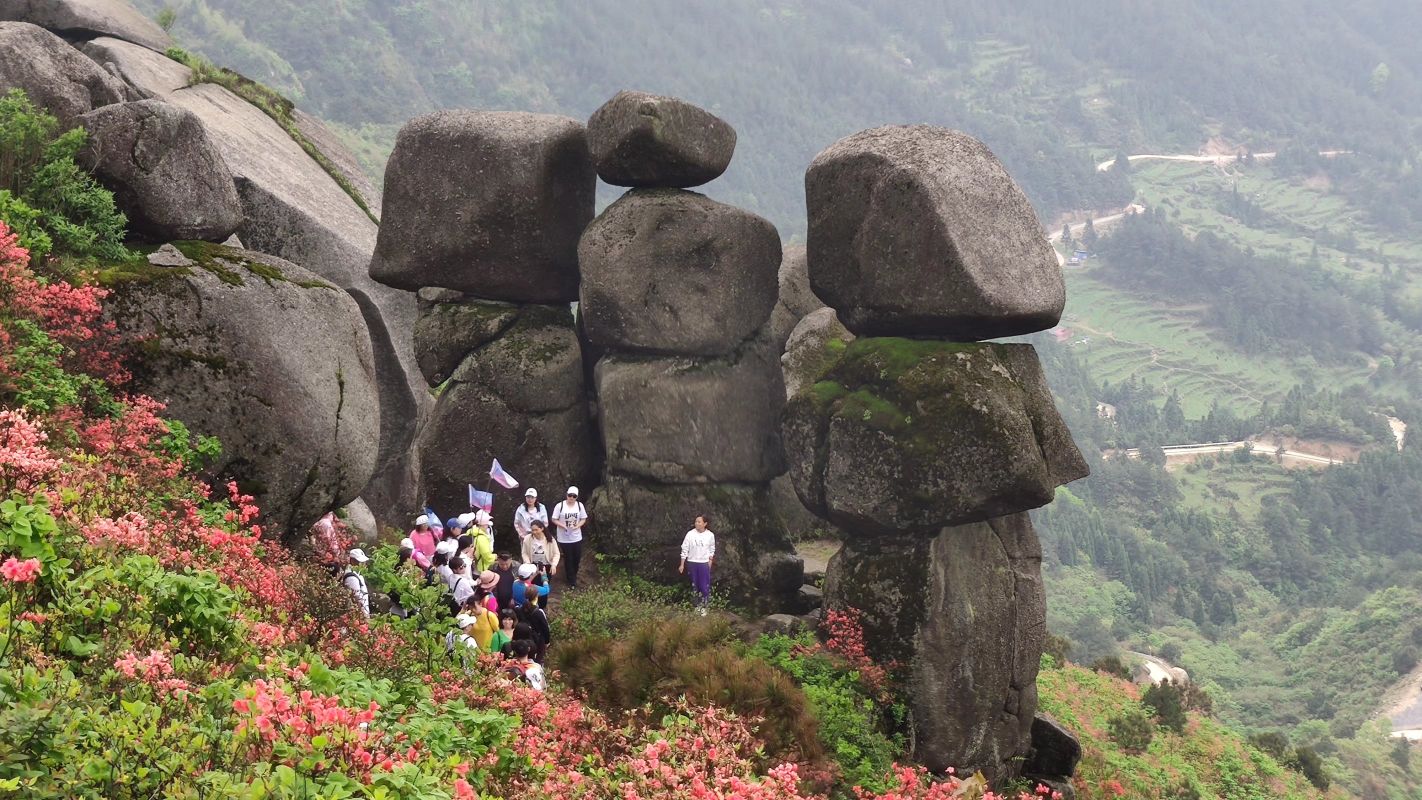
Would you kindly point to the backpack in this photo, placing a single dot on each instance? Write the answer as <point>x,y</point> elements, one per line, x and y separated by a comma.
<point>517,670</point>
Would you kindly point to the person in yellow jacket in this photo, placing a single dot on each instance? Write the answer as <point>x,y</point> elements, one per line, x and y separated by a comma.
<point>478,624</point>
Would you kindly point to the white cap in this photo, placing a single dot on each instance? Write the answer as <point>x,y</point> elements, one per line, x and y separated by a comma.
<point>358,555</point>
<point>466,518</point>
<point>573,490</point>
<point>423,519</point>
<point>465,620</point>
<point>483,518</point>
<point>448,546</point>
<point>532,492</point>
<point>527,570</point>
<point>407,543</point>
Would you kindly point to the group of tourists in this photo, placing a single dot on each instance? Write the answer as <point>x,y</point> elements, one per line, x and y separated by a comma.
<point>500,602</point>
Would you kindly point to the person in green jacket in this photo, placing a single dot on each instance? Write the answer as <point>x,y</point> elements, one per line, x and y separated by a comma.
<point>505,633</point>
<point>483,531</point>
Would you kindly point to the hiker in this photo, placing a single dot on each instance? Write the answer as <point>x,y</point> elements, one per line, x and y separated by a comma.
<point>405,560</point>
<point>531,587</point>
<point>439,565</point>
<point>698,552</point>
<point>527,513</point>
<point>570,516</point>
<point>505,634</point>
<point>355,582</point>
<point>537,619</point>
<point>458,570</point>
<point>507,570</point>
<point>488,582</point>
<point>522,667</point>
<point>424,541</point>
<point>478,624</point>
<point>483,545</point>
<point>326,543</point>
<point>542,552</point>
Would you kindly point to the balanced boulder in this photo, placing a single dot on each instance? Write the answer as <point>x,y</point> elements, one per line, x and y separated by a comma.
<point>815,344</point>
<point>55,76</point>
<point>919,231</point>
<point>685,420</point>
<point>490,203</point>
<point>641,524</point>
<point>167,176</point>
<point>87,19</point>
<point>519,397</point>
<point>898,435</point>
<point>447,332</point>
<point>640,139</point>
<point>677,273</point>
<point>267,357</point>
<point>964,612</point>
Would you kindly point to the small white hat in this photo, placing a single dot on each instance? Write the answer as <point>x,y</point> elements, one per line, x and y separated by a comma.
<point>358,555</point>
<point>448,546</point>
<point>407,543</point>
<point>423,519</point>
<point>532,492</point>
<point>573,490</point>
<point>465,620</point>
<point>482,519</point>
<point>527,570</point>
<point>466,518</point>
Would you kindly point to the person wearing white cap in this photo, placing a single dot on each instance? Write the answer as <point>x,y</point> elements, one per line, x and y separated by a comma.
<point>570,516</point>
<point>444,551</point>
<point>528,512</point>
<point>424,541</point>
<point>355,582</point>
<point>483,532</point>
<point>404,561</point>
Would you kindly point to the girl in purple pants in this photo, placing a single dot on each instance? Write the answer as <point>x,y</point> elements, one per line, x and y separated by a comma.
<point>698,553</point>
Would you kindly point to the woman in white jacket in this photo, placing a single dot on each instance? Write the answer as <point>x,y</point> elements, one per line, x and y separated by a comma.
<point>698,552</point>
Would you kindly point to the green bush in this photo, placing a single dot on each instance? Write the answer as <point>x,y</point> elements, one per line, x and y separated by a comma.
<point>1166,701</point>
<point>1307,761</point>
<point>48,195</point>
<point>1132,730</point>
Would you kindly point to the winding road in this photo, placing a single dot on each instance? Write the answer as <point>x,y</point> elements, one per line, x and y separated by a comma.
<point>1217,160</point>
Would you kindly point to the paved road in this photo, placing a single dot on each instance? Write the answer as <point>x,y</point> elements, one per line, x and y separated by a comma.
<point>1212,448</point>
<point>1219,160</point>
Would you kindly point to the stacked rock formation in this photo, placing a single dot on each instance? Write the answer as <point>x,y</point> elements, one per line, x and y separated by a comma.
<point>927,452</point>
<point>677,292</point>
<point>482,214</point>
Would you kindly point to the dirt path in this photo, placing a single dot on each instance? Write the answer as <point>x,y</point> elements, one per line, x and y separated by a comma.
<point>816,553</point>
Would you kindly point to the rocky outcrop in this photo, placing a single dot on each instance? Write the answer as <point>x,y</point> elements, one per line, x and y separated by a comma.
<point>166,175</point>
<point>518,396</point>
<point>1054,755</point>
<point>88,19</point>
<point>794,298</point>
<point>928,451</point>
<point>269,358</point>
<point>446,332</point>
<point>936,205</point>
<point>973,424</point>
<point>685,420</point>
<point>640,139</point>
<point>677,291</point>
<point>501,215</point>
<point>147,73</point>
<point>675,272</point>
<point>54,75</point>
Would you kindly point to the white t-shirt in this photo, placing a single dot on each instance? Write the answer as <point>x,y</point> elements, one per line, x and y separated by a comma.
<point>570,516</point>
<point>698,546</point>
<point>356,583</point>
<point>534,673</point>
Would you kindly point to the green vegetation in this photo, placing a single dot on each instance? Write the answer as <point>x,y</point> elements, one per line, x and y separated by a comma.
<point>55,207</point>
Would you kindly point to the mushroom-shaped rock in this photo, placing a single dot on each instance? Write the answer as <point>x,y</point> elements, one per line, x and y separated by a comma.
<point>677,273</point>
<point>640,139</point>
<point>167,176</point>
<point>965,613</point>
<point>87,19</point>
<point>919,231</point>
<point>641,524</point>
<point>519,397</point>
<point>56,77</point>
<point>685,420</point>
<point>815,344</point>
<point>486,202</point>
<point>267,357</point>
<point>447,332</point>
<point>902,435</point>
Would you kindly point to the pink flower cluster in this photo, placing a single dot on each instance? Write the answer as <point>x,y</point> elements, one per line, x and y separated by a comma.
<point>17,571</point>
<point>154,669</point>
<point>25,460</point>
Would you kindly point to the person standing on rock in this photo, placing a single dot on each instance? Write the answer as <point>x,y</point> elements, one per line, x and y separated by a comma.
<point>528,512</point>
<point>570,516</point>
<point>424,540</point>
<point>698,551</point>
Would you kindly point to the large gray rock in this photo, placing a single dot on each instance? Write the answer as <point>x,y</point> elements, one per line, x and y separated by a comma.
<point>795,298</point>
<point>270,359</point>
<point>903,436</point>
<point>520,398</point>
<point>167,176</point>
<point>340,157</point>
<point>640,139</point>
<point>674,272</point>
<point>1055,750</point>
<point>917,230</point>
<point>87,19</point>
<point>641,525</point>
<point>486,202</point>
<point>964,612</point>
<point>447,332</point>
<point>294,209</point>
<point>54,75</point>
<point>685,420</point>
<point>815,344</point>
